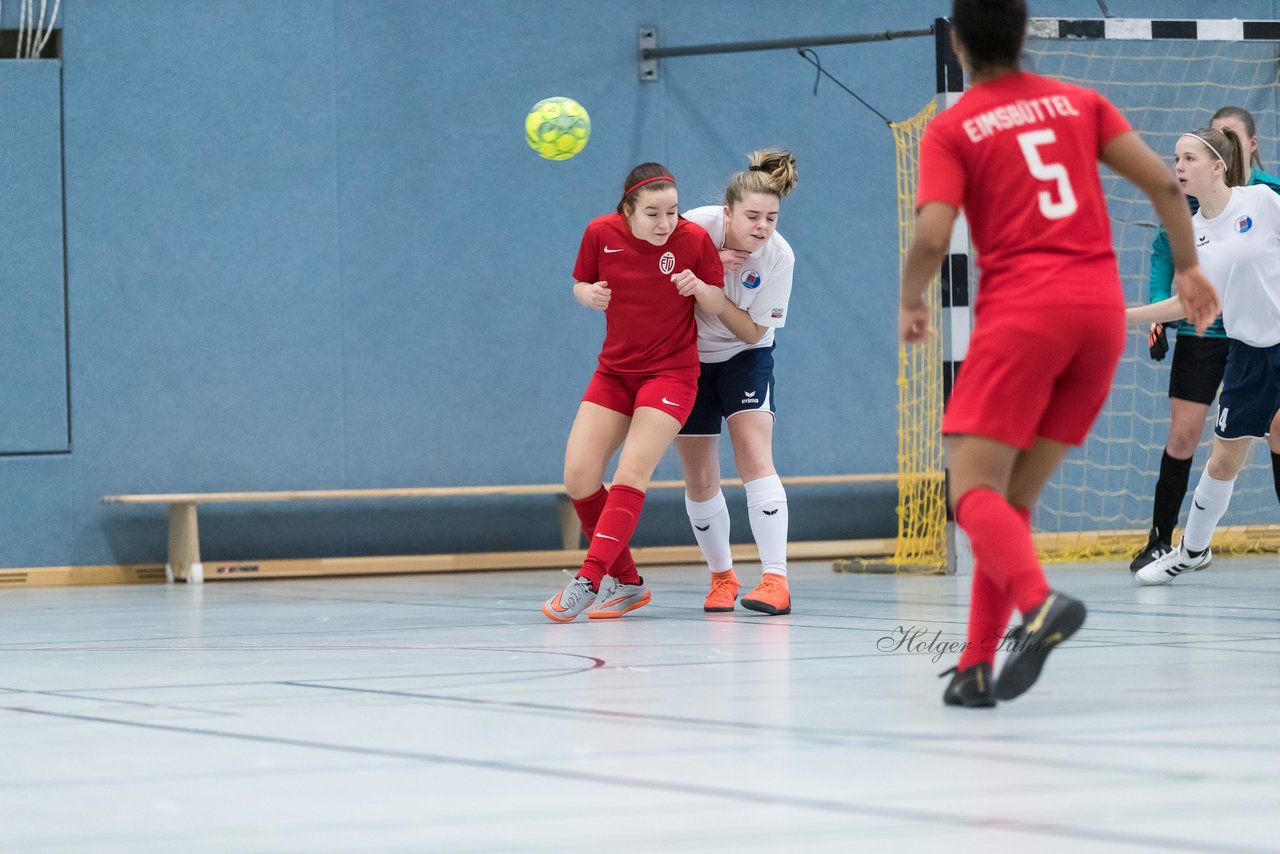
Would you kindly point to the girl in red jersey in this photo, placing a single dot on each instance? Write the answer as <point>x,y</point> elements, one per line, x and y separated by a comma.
<point>1019,153</point>
<point>645,268</point>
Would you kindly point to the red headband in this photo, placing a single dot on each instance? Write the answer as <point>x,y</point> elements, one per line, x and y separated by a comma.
<point>639,184</point>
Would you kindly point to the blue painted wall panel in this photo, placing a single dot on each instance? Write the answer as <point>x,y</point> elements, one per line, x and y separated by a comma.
<point>206,308</point>
<point>33,344</point>
<point>307,247</point>
<point>38,511</point>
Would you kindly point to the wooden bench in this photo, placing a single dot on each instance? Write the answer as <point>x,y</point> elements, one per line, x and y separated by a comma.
<point>184,560</point>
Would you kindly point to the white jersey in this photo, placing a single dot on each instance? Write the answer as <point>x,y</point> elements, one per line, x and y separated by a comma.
<point>761,287</point>
<point>1239,250</point>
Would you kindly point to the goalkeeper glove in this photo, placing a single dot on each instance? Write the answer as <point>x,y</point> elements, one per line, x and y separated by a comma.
<point>1158,341</point>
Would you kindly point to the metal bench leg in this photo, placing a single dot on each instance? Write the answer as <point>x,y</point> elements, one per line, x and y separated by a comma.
<point>184,545</point>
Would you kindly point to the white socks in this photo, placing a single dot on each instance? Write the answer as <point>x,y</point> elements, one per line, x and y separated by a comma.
<point>1208,503</point>
<point>767,510</point>
<point>710,520</point>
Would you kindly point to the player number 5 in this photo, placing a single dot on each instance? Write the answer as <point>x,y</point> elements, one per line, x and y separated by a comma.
<point>1066,204</point>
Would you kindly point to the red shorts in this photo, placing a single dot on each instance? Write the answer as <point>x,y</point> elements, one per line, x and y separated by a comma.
<point>673,394</point>
<point>1037,374</point>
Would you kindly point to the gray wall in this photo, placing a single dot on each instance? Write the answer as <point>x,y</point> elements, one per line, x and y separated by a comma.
<point>307,247</point>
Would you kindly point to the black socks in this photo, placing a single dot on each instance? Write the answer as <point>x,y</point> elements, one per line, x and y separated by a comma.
<point>1171,489</point>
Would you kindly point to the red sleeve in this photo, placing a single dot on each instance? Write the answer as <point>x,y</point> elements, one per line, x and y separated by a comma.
<point>1111,122</point>
<point>587,267</point>
<point>710,269</point>
<point>941,172</point>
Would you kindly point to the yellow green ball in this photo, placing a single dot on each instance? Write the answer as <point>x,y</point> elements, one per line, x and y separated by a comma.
<point>557,128</point>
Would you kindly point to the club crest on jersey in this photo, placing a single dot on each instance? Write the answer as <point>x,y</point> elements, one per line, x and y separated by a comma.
<point>750,279</point>
<point>667,263</point>
<point>1243,224</point>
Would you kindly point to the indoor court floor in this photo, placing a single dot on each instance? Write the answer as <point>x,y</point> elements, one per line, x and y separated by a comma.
<point>445,713</point>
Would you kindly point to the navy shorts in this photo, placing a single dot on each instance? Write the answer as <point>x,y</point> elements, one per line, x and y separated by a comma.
<point>1197,369</point>
<point>1250,391</point>
<point>744,383</point>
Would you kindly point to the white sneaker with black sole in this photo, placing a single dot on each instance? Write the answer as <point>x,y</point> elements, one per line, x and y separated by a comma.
<point>1153,550</point>
<point>1167,567</point>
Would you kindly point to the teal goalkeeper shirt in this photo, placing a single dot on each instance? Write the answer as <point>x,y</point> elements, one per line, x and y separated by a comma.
<point>1160,284</point>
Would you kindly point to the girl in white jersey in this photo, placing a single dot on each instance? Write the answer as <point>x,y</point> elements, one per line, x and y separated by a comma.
<point>1198,363</point>
<point>736,383</point>
<point>1238,243</point>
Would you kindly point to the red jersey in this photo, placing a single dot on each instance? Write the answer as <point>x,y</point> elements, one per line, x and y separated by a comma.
<point>1020,155</point>
<point>649,327</point>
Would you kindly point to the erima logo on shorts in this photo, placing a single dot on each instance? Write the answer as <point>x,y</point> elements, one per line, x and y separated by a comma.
<point>750,279</point>
<point>667,263</point>
<point>1243,224</point>
<point>776,313</point>
<point>749,397</point>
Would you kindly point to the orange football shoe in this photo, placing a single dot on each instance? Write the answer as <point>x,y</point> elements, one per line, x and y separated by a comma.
<point>771,597</point>
<point>724,590</point>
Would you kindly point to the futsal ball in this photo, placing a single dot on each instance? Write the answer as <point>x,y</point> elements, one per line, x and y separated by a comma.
<point>557,128</point>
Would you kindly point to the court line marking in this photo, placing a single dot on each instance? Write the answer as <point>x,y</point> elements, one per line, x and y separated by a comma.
<point>912,742</point>
<point>906,814</point>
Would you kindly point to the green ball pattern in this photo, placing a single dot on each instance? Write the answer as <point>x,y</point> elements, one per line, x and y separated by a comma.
<point>557,128</point>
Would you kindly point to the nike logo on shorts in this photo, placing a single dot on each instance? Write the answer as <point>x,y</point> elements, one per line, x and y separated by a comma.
<point>607,537</point>
<point>669,402</point>
<point>1197,504</point>
<point>611,251</point>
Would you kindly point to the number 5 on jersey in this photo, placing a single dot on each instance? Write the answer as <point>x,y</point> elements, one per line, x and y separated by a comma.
<point>1041,171</point>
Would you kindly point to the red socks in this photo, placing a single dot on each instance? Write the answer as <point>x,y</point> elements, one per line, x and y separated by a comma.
<point>613,513</point>
<point>1002,547</point>
<point>989,612</point>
